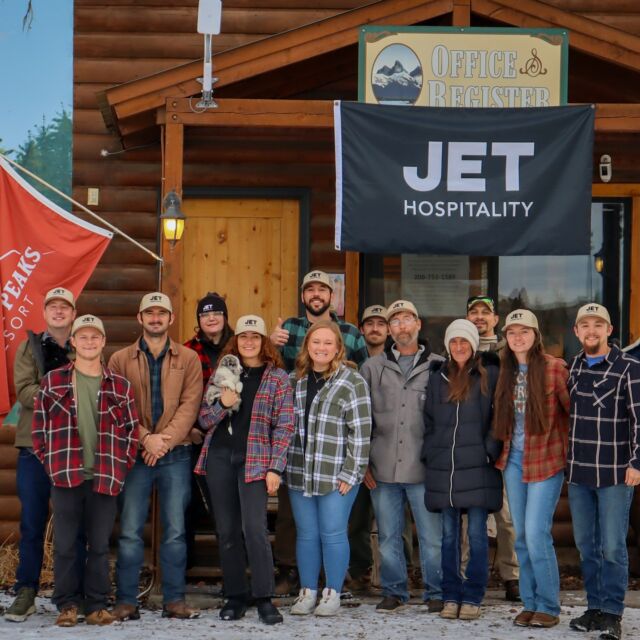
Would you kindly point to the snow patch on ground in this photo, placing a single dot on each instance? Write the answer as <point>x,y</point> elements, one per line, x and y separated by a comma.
<point>353,623</point>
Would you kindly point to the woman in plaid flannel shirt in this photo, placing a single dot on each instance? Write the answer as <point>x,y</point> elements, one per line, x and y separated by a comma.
<point>531,417</point>
<point>327,461</point>
<point>243,456</point>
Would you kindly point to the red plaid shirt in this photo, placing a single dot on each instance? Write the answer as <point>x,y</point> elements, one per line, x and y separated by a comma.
<point>56,439</point>
<point>270,430</point>
<point>546,454</point>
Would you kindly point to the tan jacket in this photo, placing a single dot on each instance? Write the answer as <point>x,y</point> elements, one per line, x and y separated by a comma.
<point>181,388</point>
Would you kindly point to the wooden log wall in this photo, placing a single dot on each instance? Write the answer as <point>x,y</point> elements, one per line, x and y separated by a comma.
<point>117,41</point>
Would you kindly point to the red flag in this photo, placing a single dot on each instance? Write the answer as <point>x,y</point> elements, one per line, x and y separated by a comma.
<point>41,246</point>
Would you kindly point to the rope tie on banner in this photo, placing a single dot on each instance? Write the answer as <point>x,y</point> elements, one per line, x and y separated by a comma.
<point>106,223</point>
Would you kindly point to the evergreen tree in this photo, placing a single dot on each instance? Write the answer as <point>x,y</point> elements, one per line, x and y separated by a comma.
<point>47,153</point>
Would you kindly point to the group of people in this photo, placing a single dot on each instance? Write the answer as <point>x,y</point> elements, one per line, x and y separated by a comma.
<point>343,424</point>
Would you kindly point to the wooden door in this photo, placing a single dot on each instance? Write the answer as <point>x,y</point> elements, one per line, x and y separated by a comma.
<point>244,249</point>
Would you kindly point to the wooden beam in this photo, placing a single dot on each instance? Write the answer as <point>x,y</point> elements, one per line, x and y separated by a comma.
<point>634,295</point>
<point>266,55</point>
<point>253,113</point>
<point>352,286</point>
<point>318,114</point>
<point>594,38</point>
<point>461,13</point>
<point>171,277</point>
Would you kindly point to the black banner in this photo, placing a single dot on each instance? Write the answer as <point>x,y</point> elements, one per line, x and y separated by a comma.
<point>463,181</point>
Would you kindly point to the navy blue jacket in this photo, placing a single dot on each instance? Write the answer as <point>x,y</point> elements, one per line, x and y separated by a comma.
<point>459,451</point>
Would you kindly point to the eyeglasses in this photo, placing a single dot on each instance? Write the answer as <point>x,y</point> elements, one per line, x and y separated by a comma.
<point>211,314</point>
<point>396,322</point>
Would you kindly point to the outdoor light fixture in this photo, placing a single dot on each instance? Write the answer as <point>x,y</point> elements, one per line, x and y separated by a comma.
<point>172,218</point>
<point>598,261</point>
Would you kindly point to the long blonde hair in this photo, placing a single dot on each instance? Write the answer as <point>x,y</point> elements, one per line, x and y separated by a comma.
<point>304,364</point>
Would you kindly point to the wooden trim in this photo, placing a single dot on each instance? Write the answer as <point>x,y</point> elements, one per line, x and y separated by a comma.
<point>352,286</point>
<point>616,46</point>
<point>248,112</point>
<point>323,36</point>
<point>628,190</point>
<point>253,113</point>
<point>171,277</point>
<point>461,13</point>
<point>634,276</point>
<point>613,190</point>
<point>133,98</point>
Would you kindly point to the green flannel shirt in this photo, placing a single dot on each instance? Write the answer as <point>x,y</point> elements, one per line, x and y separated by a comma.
<point>354,344</point>
<point>338,434</point>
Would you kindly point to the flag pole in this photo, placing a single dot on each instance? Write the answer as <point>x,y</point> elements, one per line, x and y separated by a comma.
<point>113,228</point>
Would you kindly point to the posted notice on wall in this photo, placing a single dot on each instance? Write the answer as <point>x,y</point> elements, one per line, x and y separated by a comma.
<point>437,285</point>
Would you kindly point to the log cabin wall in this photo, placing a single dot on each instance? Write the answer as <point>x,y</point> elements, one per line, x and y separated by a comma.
<point>121,40</point>
<point>117,41</point>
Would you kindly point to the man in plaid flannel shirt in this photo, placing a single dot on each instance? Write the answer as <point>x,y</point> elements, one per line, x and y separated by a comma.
<point>85,433</point>
<point>316,290</point>
<point>603,466</point>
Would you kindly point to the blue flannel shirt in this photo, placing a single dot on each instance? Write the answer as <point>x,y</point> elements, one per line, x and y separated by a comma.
<point>604,423</point>
<point>155,379</point>
<point>354,344</point>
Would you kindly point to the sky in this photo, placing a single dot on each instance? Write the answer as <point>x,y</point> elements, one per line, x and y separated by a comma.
<point>36,66</point>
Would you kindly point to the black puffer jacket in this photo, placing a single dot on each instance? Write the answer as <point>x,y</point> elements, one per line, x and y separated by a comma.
<point>458,450</point>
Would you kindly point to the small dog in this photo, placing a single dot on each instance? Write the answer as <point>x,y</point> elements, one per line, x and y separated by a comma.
<point>227,376</point>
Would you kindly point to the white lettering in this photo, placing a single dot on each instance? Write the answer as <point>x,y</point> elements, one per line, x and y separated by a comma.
<point>512,151</point>
<point>458,166</point>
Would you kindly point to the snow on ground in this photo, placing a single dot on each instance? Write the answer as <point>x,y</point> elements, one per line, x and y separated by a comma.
<point>353,623</point>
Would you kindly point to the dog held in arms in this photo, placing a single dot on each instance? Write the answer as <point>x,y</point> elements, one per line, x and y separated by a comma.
<point>227,376</point>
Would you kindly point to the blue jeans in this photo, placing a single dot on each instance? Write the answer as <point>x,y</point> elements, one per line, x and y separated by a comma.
<point>532,507</point>
<point>321,536</point>
<point>34,489</point>
<point>388,503</point>
<point>600,525</point>
<point>471,588</point>
<point>172,478</point>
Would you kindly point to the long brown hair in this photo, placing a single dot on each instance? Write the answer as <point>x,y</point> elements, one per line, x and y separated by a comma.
<point>535,412</point>
<point>268,353</point>
<point>304,363</point>
<point>460,378</point>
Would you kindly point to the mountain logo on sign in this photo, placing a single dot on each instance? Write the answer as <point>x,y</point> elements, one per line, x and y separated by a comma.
<point>396,76</point>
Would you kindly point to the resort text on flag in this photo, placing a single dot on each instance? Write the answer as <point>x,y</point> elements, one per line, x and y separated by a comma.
<point>41,246</point>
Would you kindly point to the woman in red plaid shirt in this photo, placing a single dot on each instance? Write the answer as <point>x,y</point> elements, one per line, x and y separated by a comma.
<point>243,456</point>
<point>531,417</point>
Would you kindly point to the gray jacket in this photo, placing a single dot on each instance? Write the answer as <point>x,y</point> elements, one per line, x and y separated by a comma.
<point>398,416</point>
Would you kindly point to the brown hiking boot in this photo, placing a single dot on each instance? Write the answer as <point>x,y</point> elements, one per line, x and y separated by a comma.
<point>180,610</point>
<point>100,617</point>
<point>68,616</point>
<point>123,611</point>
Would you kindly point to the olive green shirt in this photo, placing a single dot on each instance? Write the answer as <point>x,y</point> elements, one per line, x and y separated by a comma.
<point>87,390</point>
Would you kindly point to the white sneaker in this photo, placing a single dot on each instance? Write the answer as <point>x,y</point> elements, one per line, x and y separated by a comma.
<point>329,603</point>
<point>305,602</point>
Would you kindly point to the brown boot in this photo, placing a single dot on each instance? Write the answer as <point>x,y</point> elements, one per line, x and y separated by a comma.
<point>100,617</point>
<point>179,610</point>
<point>544,620</point>
<point>68,616</point>
<point>123,611</point>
